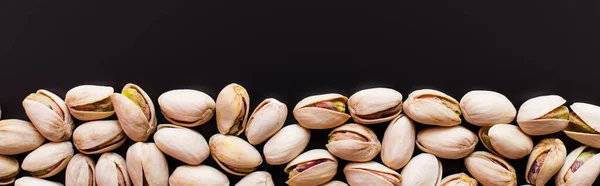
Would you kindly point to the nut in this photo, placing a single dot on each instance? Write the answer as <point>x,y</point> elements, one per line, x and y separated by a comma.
<point>232,107</point>
<point>80,171</point>
<point>459,179</point>
<point>432,107</point>
<point>198,175</point>
<point>487,108</point>
<point>48,159</point>
<point>313,167</point>
<point>135,111</point>
<point>90,102</point>
<point>265,121</point>
<point>353,142</point>
<point>49,115</point>
<point>111,170</point>
<point>490,169</point>
<point>258,178</point>
<point>286,144</point>
<point>96,137</point>
<point>447,142</point>
<point>371,173</point>
<point>584,124</point>
<point>185,107</point>
<point>506,140</point>
<point>543,115</point>
<point>29,181</point>
<point>9,169</point>
<point>546,159</point>
<point>323,111</point>
<point>580,168</point>
<point>375,105</point>
<point>398,142</point>
<point>423,169</point>
<point>146,165</point>
<point>182,143</point>
<point>234,155</point>
<point>18,136</point>
<point>335,183</point>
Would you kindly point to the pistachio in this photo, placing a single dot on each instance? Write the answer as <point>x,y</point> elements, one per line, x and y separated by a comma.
<point>506,140</point>
<point>313,167</point>
<point>447,142</point>
<point>490,169</point>
<point>258,178</point>
<point>335,183</point>
<point>543,115</point>
<point>432,107</point>
<point>90,102</point>
<point>423,169</point>
<point>9,169</point>
<point>18,136</point>
<point>375,105</point>
<point>486,108</point>
<point>198,175</point>
<point>580,168</point>
<point>111,170</point>
<point>182,143</point>
<point>323,111</point>
<point>353,142</point>
<point>29,181</point>
<point>371,173</point>
<point>146,165</point>
<point>398,142</point>
<point>185,107</point>
<point>584,124</point>
<point>234,155</point>
<point>232,107</point>
<point>49,115</point>
<point>265,121</point>
<point>80,171</point>
<point>48,159</point>
<point>286,144</point>
<point>546,159</point>
<point>96,137</point>
<point>459,179</point>
<point>135,111</point>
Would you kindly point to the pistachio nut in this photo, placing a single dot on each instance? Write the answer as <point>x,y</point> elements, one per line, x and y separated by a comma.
<point>353,142</point>
<point>423,169</point>
<point>135,111</point>
<point>198,175</point>
<point>90,102</point>
<point>371,173</point>
<point>375,105</point>
<point>459,179</point>
<point>29,181</point>
<point>447,142</point>
<point>490,169</point>
<point>232,107</point>
<point>286,144</point>
<point>506,140</point>
<point>580,168</point>
<point>258,178</point>
<point>186,107</point>
<point>266,120</point>
<point>181,143</point>
<point>80,171</point>
<point>18,136</point>
<point>486,108</point>
<point>49,115</point>
<point>584,124</point>
<point>398,142</point>
<point>546,159</point>
<point>96,137</point>
<point>48,159</point>
<point>323,111</point>
<point>9,169</point>
<point>234,155</point>
<point>432,107</point>
<point>335,183</point>
<point>313,167</point>
<point>543,115</point>
<point>146,165</point>
<point>111,170</point>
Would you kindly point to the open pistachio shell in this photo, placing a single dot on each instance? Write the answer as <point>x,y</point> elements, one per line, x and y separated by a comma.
<point>371,173</point>
<point>432,107</point>
<point>423,169</point>
<point>233,154</point>
<point>29,181</point>
<point>49,115</point>
<point>146,165</point>
<point>181,143</point>
<point>185,107</point>
<point>111,170</point>
<point>580,168</point>
<point>258,178</point>
<point>18,136</point>
<point>323,111</point>
<point>266,120</point>
<point>90,102</point>
<point>353,142</point>
<point>459,179</point>
<point>335,183</point>
<point>543,115</point>
<point>48,159</point>
<point>232,107</point>
<point>546,159</point>
<point>398,142</point>
<point>286,144</point>
<point>197,175</point>
<point>135,111</point>
<point>375,105</point>
<point>313,167</point>
<point>584,124</point>
<point>506,140</point>
<point>490,169</point>
<point>80,171</point>
<point>447,142</point>
<point>486,108</point>
<point>96,137</point>
<point>9,168</point>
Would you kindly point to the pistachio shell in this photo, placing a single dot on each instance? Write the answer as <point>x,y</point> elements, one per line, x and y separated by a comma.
<point>316,174</point>
<point>134,122</point>
<point>232,107</point>
<point>265,121</point>
<point>432,107</point>
<point>96,137</point>
<point>48,159</point>
<point>353,142</point>
<point>579,170</point>
<point>198,175</point>
<point>185,107</point>
<point>146,165</point>
<point>398,142</point>
<point>533,118</point>
<point>286,144</point>
<point>18,136</point>
<point>490,169</point>
<point>423,169</point>
<point>546,159</point>
<point>312,117</point>
<point>459,179</point>
<point>589,116</point>
<point>232,152</point>
<point>371,173</point>
<point>80,171</point>
<point>88,94</point>
<point>111,170</point>
<point>486,108</point>
<point>375,105</point>
<point>335,183</point>
<point>258,178</point>
<point>506,140</point>
<point>447,142</point>
<point>182,143</point>
<point>9,168</point>
<point>46,120</point>
<point>29,181</point>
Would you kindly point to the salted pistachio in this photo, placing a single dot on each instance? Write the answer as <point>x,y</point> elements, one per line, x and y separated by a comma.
<point>353,142</point>
<point>258,178</point>
<point>90,102</point>
<point>49,115</point>
<point>197,175</point>
<point>29,181</point>
<point>266,120</point>
<point>322,111</point>
<point>232,107</point>
<point>18,136</point>
<point>506,140</point>
<point>135,111</point>
<point>96,137</point>
<point>313,167</point>
<point>111,170</point>
<point>432,107</point>
<point>490,169</point>
<point>545,160</point>
<point>580,168</point>
<point>234,154</point>
<point>335,183</point>
<point>48,159</point>
<point>543,115</point>
<point>146,165</point>
<point>186,107</point>
<point>375,105</point>
<point>584,124</point>
<point>181,143</point>
<point>487,108</point>
<point>423,169</point>
<point>371,173</point>
<point>459,179</point>
<point>80,171</point>
<point>447,142</point>
<point>286,144</point>
<point>9,169</point>
<point>398,142</point>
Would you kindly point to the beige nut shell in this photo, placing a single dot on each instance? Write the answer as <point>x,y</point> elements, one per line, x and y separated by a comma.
<point>186,107</point>
<point>319,118</point>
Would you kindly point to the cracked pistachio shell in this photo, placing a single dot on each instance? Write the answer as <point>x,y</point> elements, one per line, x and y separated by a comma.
<point>111,170</point>
<point>232,107</point>
<point>96,137</point>
<point>490,169</point>
<point>316,174</point>
<point>335,183</point>
<point>371,173</point>
<point>459,179</point>
<point>146,165</point>
<point>487,108</point>
<point>18,136</point>
<point>137,119</point>
<point>49,115</point>
<point>506,140</point>
<point>181,143</point>
<point>584,125</point>
<point>432,107</point>
<point>80,171</point>
<point>447,142</point>
<point>29,181</point>
<point>353,142</point>
<point>266,120</point>
<point>312,117</point>
<point>398,142</point>
<point>423,169</point>
<point>375,105</point>
<point>90,95</point>
<point>543,115</point>
<point>258,178</point>
<point>546,159</point>
<point>286,144</point>
<point>580,168</point>
<point>198,175</point>
<point>234,155</point>
<point>186,107</point>
<point>9,168</point>
<point>48,159</point>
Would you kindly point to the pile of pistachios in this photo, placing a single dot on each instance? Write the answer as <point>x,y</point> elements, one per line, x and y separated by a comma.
<point>53,143</point>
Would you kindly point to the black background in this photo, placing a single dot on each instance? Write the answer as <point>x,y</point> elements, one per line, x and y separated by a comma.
<point>290,50</point>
